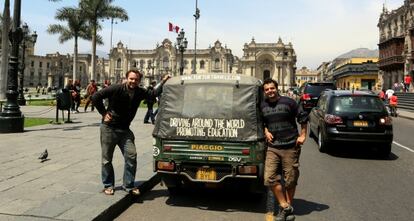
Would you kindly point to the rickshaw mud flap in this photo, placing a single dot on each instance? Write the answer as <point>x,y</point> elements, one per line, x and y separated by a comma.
<point>208,181</point>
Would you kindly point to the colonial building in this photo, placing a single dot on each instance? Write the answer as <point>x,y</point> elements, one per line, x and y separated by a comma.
<point>261,60</point>
<point>396,43</point>
<point>305,75</point>
<point>357,73</point>
<point>55,70</point>
<point>275,60</point>
<point>165,59</point>
<point>322,71</point>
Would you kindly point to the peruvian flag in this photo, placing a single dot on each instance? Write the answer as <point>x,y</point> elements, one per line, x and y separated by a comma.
<point>172,27</point>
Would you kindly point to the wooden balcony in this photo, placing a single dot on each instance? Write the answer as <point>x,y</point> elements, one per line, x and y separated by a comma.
<point>391,61</point>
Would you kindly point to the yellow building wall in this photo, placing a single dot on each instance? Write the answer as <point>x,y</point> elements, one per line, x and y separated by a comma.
<point>354,82</point>
<point>357,61</point>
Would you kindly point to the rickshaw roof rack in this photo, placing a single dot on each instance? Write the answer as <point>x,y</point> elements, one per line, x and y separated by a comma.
<point>236,79</point>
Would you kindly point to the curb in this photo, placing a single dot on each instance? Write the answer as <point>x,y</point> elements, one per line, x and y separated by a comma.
<point>406,117</point>
<point>119,207</point>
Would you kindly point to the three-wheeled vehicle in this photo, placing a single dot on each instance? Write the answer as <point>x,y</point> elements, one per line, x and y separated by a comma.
<point>209,131</point>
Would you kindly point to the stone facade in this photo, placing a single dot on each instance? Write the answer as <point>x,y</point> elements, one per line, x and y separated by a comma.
<point>275,60</point>
<point>357,73</point>
<point>305,75</point>
<point>396,43</point>
<point>261,60</point>
<point>165,59</point>
<point>55,69</point>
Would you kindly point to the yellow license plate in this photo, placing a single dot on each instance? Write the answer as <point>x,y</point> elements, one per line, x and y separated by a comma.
<point>206,174</point>
<point>360,123</point>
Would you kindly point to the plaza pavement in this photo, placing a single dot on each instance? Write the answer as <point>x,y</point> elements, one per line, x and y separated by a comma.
<point>68,185</point>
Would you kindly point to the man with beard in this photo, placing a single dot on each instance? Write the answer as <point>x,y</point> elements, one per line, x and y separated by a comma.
<point>123,102</point>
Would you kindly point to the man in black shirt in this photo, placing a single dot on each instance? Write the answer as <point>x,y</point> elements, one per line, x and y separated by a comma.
<point>283,143</point>
<point>123,102</point>
<point>150,105</point>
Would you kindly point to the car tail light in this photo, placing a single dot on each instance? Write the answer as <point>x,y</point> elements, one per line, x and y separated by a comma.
<point>247,169</point>
<point>385,121</point>
<point>165,165</point>
<point>246,151</point>
<point>305,97</point>
<point>333,119</point>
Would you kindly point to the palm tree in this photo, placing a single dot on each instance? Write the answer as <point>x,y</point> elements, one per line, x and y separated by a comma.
<point>94,11</point>
<point>76,28</point>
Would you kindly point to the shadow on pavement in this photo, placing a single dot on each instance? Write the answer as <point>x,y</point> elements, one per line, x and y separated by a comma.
<point>359,151</point>
<point>57,127</point>
<point>304,207</point>
<point>217,200</point>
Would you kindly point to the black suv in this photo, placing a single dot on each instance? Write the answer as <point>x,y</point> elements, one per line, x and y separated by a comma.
<point>351,116</point>
<point>309,93</point>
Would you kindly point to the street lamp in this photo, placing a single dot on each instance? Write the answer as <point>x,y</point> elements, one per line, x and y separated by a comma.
<point>32,38</point>
<point>11,118</point>
<point>110,46</point>
<point>182,45</point>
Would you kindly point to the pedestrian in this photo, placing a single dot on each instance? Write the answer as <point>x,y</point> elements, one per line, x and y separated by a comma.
<point>150,101</point>
<point>90,90</point>
<point>393,102</point>
<point>123,102</point>
<point>388,94</point>
<point>283,142</point>
<point>70,88</point>
<point>407,82</point>
<point>381,94</point>
<point>76,96</point>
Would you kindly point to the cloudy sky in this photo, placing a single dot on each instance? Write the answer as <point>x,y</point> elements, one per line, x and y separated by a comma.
<point>319,30</point>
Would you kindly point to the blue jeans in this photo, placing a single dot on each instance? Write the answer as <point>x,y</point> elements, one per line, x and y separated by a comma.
<point>124,138</point>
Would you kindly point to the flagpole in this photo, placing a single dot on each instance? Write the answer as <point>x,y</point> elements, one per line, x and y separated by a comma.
<point>196,17</point>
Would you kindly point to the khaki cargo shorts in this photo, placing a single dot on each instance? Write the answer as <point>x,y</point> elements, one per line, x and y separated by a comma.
<point>282,159</point>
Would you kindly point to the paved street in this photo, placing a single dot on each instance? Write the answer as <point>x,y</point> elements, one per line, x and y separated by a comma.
<point>67,186</point>
<point>348,184</point>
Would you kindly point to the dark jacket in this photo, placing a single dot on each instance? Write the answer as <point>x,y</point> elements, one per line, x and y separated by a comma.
<point>120,105</point>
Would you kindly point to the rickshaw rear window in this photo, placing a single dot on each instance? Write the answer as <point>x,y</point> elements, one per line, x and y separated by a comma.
<point>208,101</point>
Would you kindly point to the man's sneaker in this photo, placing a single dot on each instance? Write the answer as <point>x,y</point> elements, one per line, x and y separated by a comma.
<point>285,213</point>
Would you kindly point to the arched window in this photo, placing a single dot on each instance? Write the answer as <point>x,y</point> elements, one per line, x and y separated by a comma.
<point>217,63</point>
<point>185,63</point>
<point>135,63</point>
<point>141,64</point>
<point>202,64</point>
<point>118,63</point>
<point>192,64</point>
<point>266,74</point>
<point>166,62</point>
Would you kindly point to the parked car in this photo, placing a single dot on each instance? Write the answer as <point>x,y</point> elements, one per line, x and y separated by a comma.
<point>351,116</point>
<point>309,93</point>
<point>209,132</point>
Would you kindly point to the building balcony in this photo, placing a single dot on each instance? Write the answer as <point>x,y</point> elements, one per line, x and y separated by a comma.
<point>391,61</point>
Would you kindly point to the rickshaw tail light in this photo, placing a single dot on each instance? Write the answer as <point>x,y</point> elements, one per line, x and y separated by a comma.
<point>165,165</point>
<point>246,151</point>
<point>247,169</point>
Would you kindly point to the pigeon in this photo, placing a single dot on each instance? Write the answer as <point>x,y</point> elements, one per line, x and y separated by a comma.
<point>43,156</point>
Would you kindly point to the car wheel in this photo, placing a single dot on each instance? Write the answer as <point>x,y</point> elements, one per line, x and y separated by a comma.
<point>385,151</point>
<point>322,144</point>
